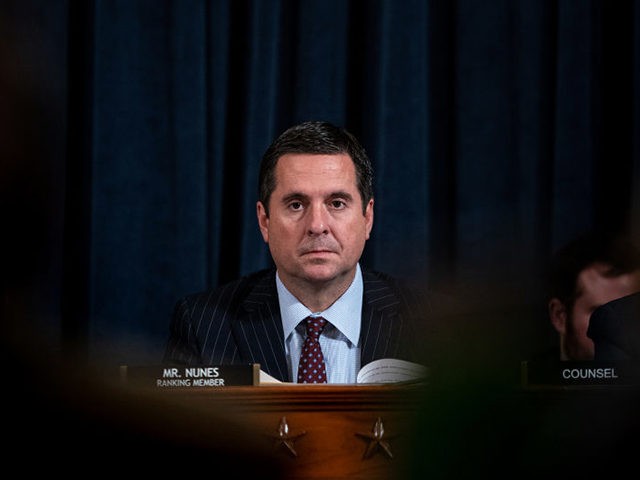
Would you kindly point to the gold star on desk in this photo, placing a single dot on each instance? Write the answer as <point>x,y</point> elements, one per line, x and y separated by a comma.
<point>284,438</point>
<point>376,440</point>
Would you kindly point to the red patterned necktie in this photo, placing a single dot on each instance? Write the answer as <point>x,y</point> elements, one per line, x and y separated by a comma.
<point>311,368</point>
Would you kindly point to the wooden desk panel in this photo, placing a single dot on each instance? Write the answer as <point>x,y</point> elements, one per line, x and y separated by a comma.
<point>330,427</point>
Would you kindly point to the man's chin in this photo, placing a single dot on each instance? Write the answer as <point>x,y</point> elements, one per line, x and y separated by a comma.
<point>319,278</point>
<point>320,273</point>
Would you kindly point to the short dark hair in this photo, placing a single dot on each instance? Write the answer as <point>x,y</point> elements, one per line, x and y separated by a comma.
<point>613,249</point>
<point>315,137</point>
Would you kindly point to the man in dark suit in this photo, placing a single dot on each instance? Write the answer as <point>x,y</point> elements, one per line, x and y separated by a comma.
<point>615,329</point>
<point>315,212</point>
<point>588,272</point>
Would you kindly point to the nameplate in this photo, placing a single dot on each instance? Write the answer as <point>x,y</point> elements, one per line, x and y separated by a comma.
<point>190,377</point>
<point>588,373</point>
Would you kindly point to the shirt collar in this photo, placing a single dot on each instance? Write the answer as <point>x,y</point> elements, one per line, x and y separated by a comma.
<point>341,314</point>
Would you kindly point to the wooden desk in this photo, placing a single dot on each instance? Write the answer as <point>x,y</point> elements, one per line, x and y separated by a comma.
<point>323,431</point>
<point>462,430</point>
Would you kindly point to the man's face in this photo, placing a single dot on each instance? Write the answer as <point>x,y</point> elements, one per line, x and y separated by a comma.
<point>594,289</point>
<point>316,229</point>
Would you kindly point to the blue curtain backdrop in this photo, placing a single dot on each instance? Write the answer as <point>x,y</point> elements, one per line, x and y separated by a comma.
<point>498,130</point>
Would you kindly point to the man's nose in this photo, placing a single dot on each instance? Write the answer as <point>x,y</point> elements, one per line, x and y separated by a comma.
<point>317,220</point>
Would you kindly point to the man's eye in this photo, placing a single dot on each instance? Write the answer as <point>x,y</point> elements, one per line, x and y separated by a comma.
<point>295,205</point>
<point>338,204</point>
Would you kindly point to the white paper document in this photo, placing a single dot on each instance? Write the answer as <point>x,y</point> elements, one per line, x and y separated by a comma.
<point>384,370</point>
<point>392,370</point>
<point>266,379</point>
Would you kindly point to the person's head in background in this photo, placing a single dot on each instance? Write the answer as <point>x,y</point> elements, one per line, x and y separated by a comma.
<point>590,271</point>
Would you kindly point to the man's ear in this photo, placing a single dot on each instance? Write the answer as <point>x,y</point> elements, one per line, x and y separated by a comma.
<point>558,315</point>
<point>263,221</point>
<point>368,214</point>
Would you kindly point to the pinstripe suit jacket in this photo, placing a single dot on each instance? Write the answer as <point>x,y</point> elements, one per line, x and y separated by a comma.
<point>240,323</point>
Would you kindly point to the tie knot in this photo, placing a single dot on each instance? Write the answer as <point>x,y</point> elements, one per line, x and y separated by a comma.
<point>315,326</point>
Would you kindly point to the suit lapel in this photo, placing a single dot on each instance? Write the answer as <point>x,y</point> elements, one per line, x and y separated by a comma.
<point>258,328</point>
<point>381,329</point>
